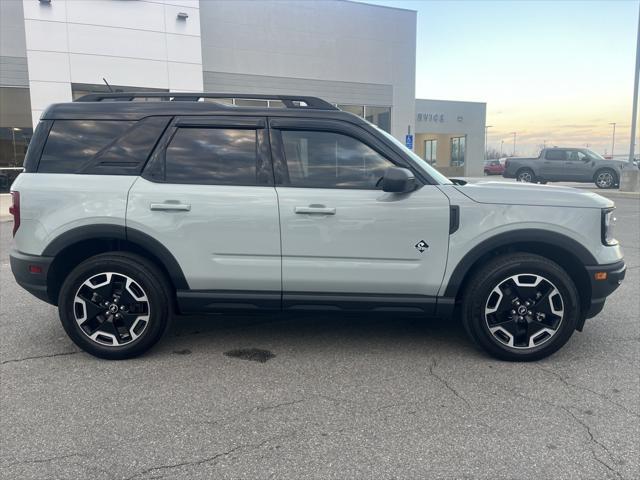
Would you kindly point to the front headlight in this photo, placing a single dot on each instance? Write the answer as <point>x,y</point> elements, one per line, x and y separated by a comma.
<point>608,227</point>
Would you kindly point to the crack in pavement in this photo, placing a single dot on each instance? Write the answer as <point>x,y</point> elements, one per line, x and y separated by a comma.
<point>45,460</point>
<point>433,365</point>
<point>61,354</point>
<point>592,439</point>
<point>213,458</point>
<point>585,389</point>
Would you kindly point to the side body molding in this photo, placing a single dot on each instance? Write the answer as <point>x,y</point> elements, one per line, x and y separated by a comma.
<point>540,237</point>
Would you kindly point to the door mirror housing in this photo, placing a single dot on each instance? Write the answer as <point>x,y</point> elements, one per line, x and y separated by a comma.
<point>398,180</point>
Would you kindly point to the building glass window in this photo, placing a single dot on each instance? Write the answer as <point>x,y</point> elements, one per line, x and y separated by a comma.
<point>16,131</point>
<point>458,147</point>
<point>379,116</point>
<point>355,109</point>
<point>430,149</point>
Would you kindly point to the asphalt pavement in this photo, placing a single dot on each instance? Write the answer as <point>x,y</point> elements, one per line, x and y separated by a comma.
<point>327,397</point>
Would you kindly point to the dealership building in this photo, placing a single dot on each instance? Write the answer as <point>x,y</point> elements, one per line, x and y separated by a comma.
<point>360,57</point>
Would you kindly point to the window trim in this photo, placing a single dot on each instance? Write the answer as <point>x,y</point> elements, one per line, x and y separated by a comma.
<point>155,169</point>
<point>280,169</point>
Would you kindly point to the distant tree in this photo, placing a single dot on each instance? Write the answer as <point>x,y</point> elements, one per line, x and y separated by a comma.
<point>493,154</point>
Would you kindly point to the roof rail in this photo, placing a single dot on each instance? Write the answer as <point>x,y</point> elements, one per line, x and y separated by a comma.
<point>289,101</point>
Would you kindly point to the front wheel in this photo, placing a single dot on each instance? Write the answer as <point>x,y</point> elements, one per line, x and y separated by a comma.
<point>115,305</point>
<point>521,307</point>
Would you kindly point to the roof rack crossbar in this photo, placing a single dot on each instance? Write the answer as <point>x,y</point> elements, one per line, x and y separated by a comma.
<point>289,101</point>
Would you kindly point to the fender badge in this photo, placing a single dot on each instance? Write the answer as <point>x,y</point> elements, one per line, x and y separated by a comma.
<point>421,246</point>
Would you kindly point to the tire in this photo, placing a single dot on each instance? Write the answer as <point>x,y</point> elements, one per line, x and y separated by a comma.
<point>541,324</point>
<point>525,175</point>
<point>125,301</point>
<point>605,178</point>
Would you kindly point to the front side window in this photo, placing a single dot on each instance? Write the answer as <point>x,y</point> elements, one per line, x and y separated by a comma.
<point>72,143</point>
<point>212,156</point>
<point>331,160</point>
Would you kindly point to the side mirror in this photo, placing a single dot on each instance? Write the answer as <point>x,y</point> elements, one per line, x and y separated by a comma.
<point>398,180</point>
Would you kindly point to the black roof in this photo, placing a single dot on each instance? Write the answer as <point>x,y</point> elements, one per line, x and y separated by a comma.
<point>132,106</point>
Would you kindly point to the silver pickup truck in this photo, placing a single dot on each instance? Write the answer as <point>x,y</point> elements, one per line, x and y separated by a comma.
<point>565,165</point>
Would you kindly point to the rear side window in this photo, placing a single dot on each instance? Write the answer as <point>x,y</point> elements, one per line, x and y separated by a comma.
<point>212,156</point>
<point>73,143</point>
<point>556,155</point>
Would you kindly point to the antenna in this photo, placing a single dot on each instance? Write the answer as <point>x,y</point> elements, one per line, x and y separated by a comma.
<point>107,84</point>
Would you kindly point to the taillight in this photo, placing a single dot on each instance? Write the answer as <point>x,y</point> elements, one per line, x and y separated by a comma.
<point>14,210</point>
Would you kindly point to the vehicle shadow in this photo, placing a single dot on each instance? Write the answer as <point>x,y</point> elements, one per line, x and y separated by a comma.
<point>318,331</point>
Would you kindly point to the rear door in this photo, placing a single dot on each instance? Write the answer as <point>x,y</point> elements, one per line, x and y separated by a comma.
<point>207,195</point>
<point>345,242</point>
<point>553,164</point>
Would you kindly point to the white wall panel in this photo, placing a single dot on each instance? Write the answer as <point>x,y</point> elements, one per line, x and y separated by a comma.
<point>116,42</point>
<point>185,49</point>
<point>189,26</point>
<point>44,94</point>
<point>127,14</point>
<point>45,35</point>
<point>118,71</point>
<point>185,76</point>
<point>48,66</point>
<point>56,11</point>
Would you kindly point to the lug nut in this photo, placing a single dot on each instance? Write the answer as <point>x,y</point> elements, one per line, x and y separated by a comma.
<point>513,312</point>
<point>529,312</point>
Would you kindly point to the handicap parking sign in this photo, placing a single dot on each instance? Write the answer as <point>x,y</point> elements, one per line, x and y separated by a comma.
<point>408,141</point>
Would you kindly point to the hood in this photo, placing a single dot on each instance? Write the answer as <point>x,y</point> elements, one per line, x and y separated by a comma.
<point>532,194</point>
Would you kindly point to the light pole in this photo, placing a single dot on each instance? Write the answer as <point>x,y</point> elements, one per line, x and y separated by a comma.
<point>634,115</point>
<point>486,146</point>
<point>613,138</point>
<point>514,143</point>
<point>501,144</point>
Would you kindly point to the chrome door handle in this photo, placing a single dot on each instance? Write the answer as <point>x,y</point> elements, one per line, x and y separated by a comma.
<point>170,207</point>
<point>317,209</point>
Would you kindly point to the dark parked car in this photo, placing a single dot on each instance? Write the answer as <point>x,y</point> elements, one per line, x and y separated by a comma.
<point>565,165</point>
<point>493,167</point>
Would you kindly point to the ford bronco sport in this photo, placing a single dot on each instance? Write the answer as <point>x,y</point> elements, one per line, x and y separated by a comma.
<point>130,211</point>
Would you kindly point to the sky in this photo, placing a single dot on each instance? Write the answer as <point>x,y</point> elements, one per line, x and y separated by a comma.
<point>555,72</point>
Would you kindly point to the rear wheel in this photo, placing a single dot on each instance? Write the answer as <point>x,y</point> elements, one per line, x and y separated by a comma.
<point>115,305</point>
<point>521,307</point>
<point>605,178</point>
<point>525,175</point>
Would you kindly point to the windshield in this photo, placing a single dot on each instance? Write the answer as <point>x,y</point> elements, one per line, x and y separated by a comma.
<point>592,154</point>
<point>436,175</point>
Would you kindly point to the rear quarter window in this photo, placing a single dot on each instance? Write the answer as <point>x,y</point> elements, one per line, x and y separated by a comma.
<point>73,143</point>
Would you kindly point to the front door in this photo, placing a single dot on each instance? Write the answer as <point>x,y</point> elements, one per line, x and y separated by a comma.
<point>207,195</point>
<point>345,242</point>
<point>579,167</point>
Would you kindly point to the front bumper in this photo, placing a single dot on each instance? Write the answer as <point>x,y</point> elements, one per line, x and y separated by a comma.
<point>30,272</point>
<point>604,280</point>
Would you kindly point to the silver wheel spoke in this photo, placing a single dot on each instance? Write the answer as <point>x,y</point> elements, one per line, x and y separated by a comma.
<point>111,309</point>
<point>524,311</point>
